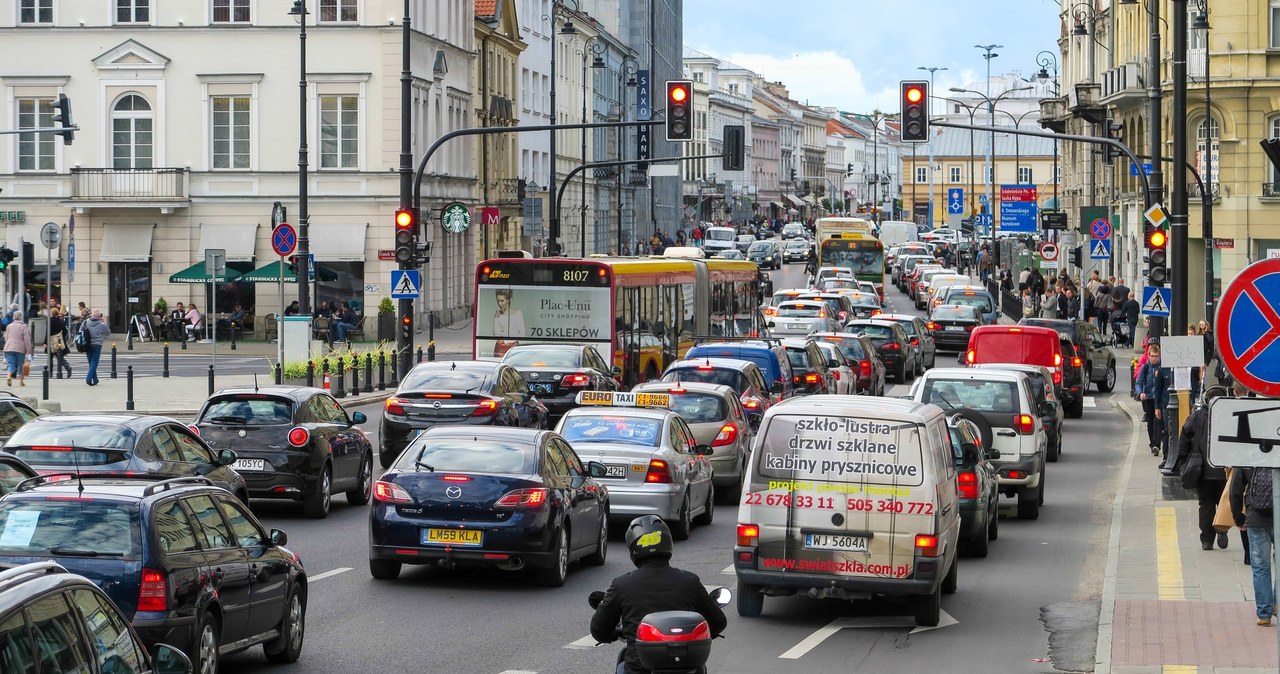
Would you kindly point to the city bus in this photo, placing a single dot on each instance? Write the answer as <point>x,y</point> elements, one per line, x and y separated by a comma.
<point>646,312</point>
<point>861,252</point>
<point>826,228</point>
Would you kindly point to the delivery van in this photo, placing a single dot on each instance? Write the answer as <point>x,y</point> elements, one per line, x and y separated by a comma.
<point>1023,344</point>
<point>849,497</point>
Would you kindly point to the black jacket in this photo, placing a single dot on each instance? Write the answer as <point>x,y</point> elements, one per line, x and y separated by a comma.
<point>654,586</point>
<point>1251,518</point>
<point>1195,433</point>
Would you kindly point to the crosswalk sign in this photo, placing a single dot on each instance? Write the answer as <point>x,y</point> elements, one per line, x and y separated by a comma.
<point>1155,301</point>
<point>406,284</point>
<point>1100,250</point>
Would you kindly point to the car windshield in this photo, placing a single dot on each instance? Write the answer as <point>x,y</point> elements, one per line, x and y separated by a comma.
<point>612,428</point>
<point>863,300</point>
<point>444,379</point>
<point>797,244</point>
<point>720,234</point>
<point>984,396</point>
<point>252,409</point>
<point>908,326</point>
<point>761,247</point>
<point>709,375</point>
<point>536,356</point>
<point>877,333</point>
<point>699,408</point>
<point>469,455</point>
<point>948,312</point>
<point>851,348</point>
<point>73,527</point>
<point>982,302</point>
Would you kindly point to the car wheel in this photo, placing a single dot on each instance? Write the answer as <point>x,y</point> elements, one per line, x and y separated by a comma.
<point>1040,499</point>
<point>978,545</point>
<point>1051,452</point>
<point>933,359</point>
<point>288,646</point>
<point>928,608</point>
<point>364,485</point>
<point>750,600</point>
<point>554,574</point>
<point>680,528</point>
<point>598,556</point>
<point>1029,503</point>
<point>901,374</point>
<point>385,457</point>
<point>952,580</point>
<point>1076,409</point>
<point>1109,383</point>
<point>384,569</point>
<point>993,524</point>
<point>204,652</point>
<point>316,504</point>
<point>709,511</point>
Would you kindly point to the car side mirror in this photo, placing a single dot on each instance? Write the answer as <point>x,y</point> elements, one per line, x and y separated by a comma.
<point>1048,408</point>
<point>753,420</point>
<point>359,418</point>
<point>703,450</point>
<point>595,598</point>
<point>971,451</point>
<point>169,660</point>
<point>777,388</point>
<point>616,371</point>
<point>597,469</point>
<point>225,457</point>
<point>278,537</point>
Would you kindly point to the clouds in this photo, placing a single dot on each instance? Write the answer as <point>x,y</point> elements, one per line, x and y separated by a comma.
<point>823,78</point>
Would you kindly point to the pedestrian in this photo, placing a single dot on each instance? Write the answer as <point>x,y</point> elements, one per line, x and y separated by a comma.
<point>1095,280</point>
<point>1130,310</point>
<point>1119,291</point>
<point>1250,496</point>
<point>343,321</point>
<point>1210,352</point>
<point>1006,278</point>
<point>1152,386</point>
<point>18,347</point>
<point>697,236</point>
<point>177,321</point>
<point>1102,306</point>
<point>98,332</point>
<point>1193,461</point>
<point>59,339</point>
<point>194,321</point>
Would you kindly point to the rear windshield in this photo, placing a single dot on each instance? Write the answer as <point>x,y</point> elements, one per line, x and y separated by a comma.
<point>837,284</point>
<point>864,300</point>
<point>800,310</point>
<point>827,449</point>
<point>948,312</point>
<point>539,357</point>
<point>627,430</point>
<point>984,396</point>
<point>908,326</point>
<point>441,379</point>
<point>698,408</point>
<point>731,378</point>
<point>69,528</point>
<point>470,455</point>
<point>983,302</point>
<point>877,333</point>
<point>799,358</point>
<point>248,409</point>
<point>851,348</point>
<point>1014,347</point>
<point>71,443</point>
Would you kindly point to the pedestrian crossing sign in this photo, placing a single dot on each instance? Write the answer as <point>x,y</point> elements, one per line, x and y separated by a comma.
<point>406,284</point>
<point>1101,249</point>
<point>1155,301</point>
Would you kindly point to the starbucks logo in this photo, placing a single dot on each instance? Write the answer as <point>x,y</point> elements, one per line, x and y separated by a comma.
<point>455,218</point>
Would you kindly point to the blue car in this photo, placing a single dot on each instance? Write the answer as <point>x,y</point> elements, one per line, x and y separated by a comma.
<point>504,498</point>
<point>767,354</point>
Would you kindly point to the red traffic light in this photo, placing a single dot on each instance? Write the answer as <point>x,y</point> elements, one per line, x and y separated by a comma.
<point>679,94</point>
<point>914,94</point>
<point>404,219</point>
<point>1157,238</point>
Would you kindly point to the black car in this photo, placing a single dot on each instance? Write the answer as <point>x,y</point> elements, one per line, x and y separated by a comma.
<point>13,471</point>
<point>124,445</point>
<point>858,349</point>
<point>977,482</point>
<point>471,393</point>
<point>1097,359</point>
<point>45,599</point>
<point>921,336</point>
<point>184,561</point>
<point>1043,390</point>
<point>14,412</point>
<point>892,343</point>
<point>503,498</point>
<point>767,254</point>
<point>810,373</point>
<point>557,372</point>
<point>291,442</point>
<point>952,324</point>
<point>864,304</point>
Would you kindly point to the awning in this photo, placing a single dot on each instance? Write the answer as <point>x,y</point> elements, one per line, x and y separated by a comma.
<point>239,240</point>
<point>30,233</point>
<point>271,274</point>
<point>339,242</point>
<point>1050,204</point>
<point>794,201</point>
<point>197,274</point>
<point>126,243</point>
<point>811,201</point>
<point>775,204</point>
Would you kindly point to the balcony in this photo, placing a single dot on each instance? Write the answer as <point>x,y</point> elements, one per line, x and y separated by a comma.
<point>504,192</point>
<point>1194,192</point>
<point>1271,190</point>
<point>162,188</point>
<point>1053,114</point>
<point>1123,84</point>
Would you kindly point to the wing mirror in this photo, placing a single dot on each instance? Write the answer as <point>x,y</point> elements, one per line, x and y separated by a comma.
<point>225,457</point>
<point>596,469</point>
<point>1048,408</point>
<point>169,660</point>
<point>278,537</point>
<point>721,596</point>
<point>754,420</point>
<point>595,598</point>
<point>777,388</point>
<point>359,418</point>
<point>703,450</point>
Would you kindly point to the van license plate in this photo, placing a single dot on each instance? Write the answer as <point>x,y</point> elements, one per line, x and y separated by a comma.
<point>830,542</point>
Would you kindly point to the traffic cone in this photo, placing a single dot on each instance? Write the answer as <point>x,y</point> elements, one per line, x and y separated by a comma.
<point>326,381</point>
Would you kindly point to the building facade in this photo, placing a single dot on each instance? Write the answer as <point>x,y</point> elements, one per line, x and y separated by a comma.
<point>497,84</point>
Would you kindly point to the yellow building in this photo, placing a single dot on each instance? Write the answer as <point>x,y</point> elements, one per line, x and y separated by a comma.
<point>497,81</point>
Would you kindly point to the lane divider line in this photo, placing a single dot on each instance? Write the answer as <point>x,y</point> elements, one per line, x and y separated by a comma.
<point>329,574</point>
<point>1169,583</point>
<point>813,640</point>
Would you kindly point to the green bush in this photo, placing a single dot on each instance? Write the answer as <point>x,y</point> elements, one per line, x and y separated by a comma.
<point>386,306</point>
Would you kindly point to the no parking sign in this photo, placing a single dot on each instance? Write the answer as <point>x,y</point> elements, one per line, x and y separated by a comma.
<point>1249,328</point>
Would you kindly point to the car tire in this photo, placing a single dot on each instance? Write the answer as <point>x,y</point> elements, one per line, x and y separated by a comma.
<point>901,374</point>
<point>928,608</point>
<point>1029,503</point>
<point>554,574</point>
<point>1040,491</point>
<point>709,510</point>
<point>1076,409</point>
<point>951,581</point>
<point>601,553</point>
<point>750,600</point>
<point>384,569</point>
<point>681,527</point>
<point>933,360</point>
<point>979,545</point>
<point>385,457</point>
<point>993,525</point>
<point>204,650</point>
<point>293,629</point>
<point>364,483</point>
<point>1051,451</point>
<point>1109,383</point>
<point>316,504</point>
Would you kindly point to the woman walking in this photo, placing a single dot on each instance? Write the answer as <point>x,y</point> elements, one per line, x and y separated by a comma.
<point>58,341</point>
<point>18,347</point>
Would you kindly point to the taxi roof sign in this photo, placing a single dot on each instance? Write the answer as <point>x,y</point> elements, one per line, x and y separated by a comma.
<point>623,399</point>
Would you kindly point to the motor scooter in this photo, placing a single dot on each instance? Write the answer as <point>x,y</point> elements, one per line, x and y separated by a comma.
<point>672,642</point>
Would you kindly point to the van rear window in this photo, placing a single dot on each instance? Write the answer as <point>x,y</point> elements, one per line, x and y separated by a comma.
<point>1014,347</point>
<point>839,449</point>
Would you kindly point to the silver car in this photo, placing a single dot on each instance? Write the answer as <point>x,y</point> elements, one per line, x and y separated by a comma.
<point>797,318</point>
<point>655,467</point>
<point>716,417</point>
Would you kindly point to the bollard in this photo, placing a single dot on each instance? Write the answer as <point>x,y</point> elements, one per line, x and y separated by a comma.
<point>44,395</point>
<point>431,350</point>
<point>184,343</point>
<point>355,375</point>
<point>233,338</point>
<point>164,362</point>
<point>128,339</point>
<point>210,379</point>
<point>419,354</point>
<point>113,360</point>
<point>339,391</point>
<point>128,386</point>
<point>382,370</point>
<point>311,373</point>
<point>279,368</point>
<point>368,373</point>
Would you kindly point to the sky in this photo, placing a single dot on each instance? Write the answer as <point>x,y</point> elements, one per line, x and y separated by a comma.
<point>852,54</point>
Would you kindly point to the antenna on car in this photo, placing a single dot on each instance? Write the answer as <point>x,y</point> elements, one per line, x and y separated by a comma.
<point>75,456</point>
<point>255,382</point>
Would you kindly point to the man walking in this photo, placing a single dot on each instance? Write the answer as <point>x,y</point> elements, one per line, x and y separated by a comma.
<point>1250,496</point>
<point>98,332</point>
<point>1152,386</point>
<point>1192,451</point>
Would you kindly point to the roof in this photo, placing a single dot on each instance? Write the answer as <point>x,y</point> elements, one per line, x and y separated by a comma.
<point>122,419</point>
<point>487,432</point>
<point>295,391</point>
<point>486,9</point>
<point>970,373</point>
<point>886,409</point>
<point>689,386</point>
<point>955,143</point>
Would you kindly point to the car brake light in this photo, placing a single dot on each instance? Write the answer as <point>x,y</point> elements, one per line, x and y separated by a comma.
<point>705,367</point>
<point>1057,375</point>
<point>456,478</point>
<point>1024,424</point>
<point>523,498</point>
<point>299,436</point>
<point>390,492</point>
<point>967,484</point>
<point>927,545</point>
<point>394,406</point>
<point>876,312</point>
<point>194,429</point>
<point>864,368</point>
<point>576,380</point>
<point>441,396</point>
<point>971,357</point>
<point>836,373</point>
<point>931,325</point>
<point>893,346</point>
<point>1057,360</point>
<point>658,472</point>
<point>751,404</point>
<point>153,594</point>
<point>1076,362</point>
<point>811,378</point>
<point>647,633</point>
<point>485,407</point>
<point>676,390</point>
<point>728,433</point>
<point>50,448</point>
<point>748,534</point>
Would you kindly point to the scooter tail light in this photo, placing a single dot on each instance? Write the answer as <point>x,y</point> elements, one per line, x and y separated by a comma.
<point>651,634</point>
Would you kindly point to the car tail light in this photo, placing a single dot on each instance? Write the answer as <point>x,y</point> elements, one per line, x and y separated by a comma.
<point>967,484</point>
<point>1024,424</point>
<point>876,312</point>
<point>485,408</point>
<point>576,380</point>
<point>843,315</point>
<point>390,492</point>
<point>811,378</point>
<point>153,594</point>
<point>455,478</point>
<point>299,436</point>
<point>770,311</point>
<point>927,545</point>
<point>970,357</point>
<point>931,325</point>
<point>394,406</point>
<point>194,429</point>
<point>748,534</point>
<point>1057,360</point>
<point>836,374</point>
<point>658,472</point>
<point>649,633</point>
<point>728,433</point>
<point>864,368</point>
<point>1057,375</point>
<point>1014,474</point>
<point>523,498</point>
<point>893,346</point>
<point>676,390</point>
<point>1076,362</point>
<point>751,404</point>
<point>915,341</point>
<point>51,448</point>
<point>439,396</point>
<point>970,327</point>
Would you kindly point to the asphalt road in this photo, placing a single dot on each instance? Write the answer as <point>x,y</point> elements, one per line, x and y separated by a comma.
<point>491,622</point>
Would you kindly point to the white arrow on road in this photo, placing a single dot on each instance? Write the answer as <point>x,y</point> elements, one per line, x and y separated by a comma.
<point>823,633</point>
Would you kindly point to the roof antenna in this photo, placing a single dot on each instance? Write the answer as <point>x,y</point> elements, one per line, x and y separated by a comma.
<point>75,457</point>
<point>255,382</point>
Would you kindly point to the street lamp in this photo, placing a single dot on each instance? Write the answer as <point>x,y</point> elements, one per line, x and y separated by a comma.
<point>1201,26</point>
<point>989,54</point>
<point>973,109</point>
<point>628,68</point>
<point>932,70</point>
<point>1017,151</point>
<point>553,234</point>
<point>299,13</point>
<point>991,113</point>
<point>589,47</point>
<point>1047,60</point>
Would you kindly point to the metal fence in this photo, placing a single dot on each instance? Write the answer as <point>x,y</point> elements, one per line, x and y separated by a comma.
<point>1010,303</point>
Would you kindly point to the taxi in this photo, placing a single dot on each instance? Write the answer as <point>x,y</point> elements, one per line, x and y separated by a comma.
<point>654,464</point>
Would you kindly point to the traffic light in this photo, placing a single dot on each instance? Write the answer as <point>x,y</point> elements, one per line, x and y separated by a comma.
<point>679,109</point>
<point>62,117</point>
<point>793,175</point>
<point>1075,255</point>
<point>735,148</point>
<point>522,189</point>
<point>1114,131</point>
<point>293,264</point>
<point>6,257</point>
<point>406,236</point>
<point>422,253</point>
<point>406,328</point>
<point>848,171</point>
<point>28,255</point>
<point>915,112</point>
<point>1157,256</point>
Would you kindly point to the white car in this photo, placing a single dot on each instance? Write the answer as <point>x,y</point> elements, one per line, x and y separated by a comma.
<point>841,369</point>
<point>798,318</point>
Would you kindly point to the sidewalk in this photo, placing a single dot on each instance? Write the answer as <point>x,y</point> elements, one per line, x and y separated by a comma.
<point>1168,605</point>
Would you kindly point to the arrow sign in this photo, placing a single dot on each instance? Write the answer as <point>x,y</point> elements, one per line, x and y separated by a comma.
<point>1101,249</point>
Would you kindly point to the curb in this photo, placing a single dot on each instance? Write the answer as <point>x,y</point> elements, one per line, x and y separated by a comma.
<point>1106,614</point>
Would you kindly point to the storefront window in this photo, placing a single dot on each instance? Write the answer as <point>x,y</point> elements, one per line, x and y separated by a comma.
<point>340,283</point>
<point>233,292</point>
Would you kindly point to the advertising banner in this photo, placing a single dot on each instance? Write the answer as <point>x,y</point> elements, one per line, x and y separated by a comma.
<point>511,315</point>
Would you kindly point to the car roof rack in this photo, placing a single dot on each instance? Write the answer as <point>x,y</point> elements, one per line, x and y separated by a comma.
<point>165,485</point>
<point>32,569</point>
<point>33,482</point>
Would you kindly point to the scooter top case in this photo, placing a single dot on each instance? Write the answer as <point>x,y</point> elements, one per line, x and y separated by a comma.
<point>675,641</point>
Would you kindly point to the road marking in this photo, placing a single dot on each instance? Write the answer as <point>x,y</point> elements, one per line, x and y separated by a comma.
<point>584,644</point>
<point>823,633</point>
<point>518,671</point>
<point>810,642</point>
<point>727,571</point>
<point>329,574</point>
<point>1169,583</point>
<point>1090,401</point>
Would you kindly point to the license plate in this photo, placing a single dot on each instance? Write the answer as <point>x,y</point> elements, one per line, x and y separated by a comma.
<point>249,464</point>
<point>539,388</point>
<point>616,471</point>
<point>838,543</point>
<point>797,326</point>
<point>452,537</point>
<point>955,328</point>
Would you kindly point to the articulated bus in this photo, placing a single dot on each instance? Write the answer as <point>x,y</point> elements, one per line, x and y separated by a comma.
<point>646,312</point>
<point>861,252</point>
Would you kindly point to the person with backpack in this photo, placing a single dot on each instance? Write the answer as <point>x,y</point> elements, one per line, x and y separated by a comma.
<point>1196,472</point>
<point>1250,497</point>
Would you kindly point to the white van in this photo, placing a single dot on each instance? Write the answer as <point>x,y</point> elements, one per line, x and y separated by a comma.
<point>718,239</point>
<point>849,497</point>
<point>897,232</point>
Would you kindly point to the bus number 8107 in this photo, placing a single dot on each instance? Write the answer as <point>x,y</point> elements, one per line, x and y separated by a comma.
<point>576,276</point>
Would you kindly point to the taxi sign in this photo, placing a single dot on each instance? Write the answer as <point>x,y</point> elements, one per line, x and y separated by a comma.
<point>623,399</point>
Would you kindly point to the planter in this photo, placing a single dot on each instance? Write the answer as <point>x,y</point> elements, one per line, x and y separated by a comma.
<point>386,327</point>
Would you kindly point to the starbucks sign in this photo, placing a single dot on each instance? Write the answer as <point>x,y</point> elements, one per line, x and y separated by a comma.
<point>455,217</point>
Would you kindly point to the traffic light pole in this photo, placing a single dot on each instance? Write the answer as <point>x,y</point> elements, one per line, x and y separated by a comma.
<point>404,308</point>
<point>622,162</point>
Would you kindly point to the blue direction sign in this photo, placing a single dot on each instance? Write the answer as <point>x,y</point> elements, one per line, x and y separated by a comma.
<point>1146,168</point>
<point>1100,249</point>
<point>1155,301</point>
<point>1249,327</point>
<point>983,221</point>
<point>406,284</point>
<point>955,200</point>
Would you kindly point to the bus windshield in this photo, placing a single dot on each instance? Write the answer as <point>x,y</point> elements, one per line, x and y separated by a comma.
<point>862,256</point>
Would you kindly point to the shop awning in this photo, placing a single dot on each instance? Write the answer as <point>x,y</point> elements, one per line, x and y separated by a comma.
<point>1050,204</point>
<point>271,274</point>
<point>811,201</point>
<point>775,204</point>
<point>196,274</point>
<point>337,242</point>
<point>29,232</point>
<point>126,243</point>
<point>238,239</point>
<point>794,200</point>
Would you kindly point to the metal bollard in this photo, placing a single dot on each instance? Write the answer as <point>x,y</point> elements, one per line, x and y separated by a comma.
<point>382,370</point>
<point>164,372</point>
<point>355,375</point>
<point>210,379</point>
<point>45,376</point>
<point>311,373</point>
<point>279,371</point>
<point>368,373</point>
<point>233,338</point>
<point>419,354</point>
<point>338,390</point>
<point>113,360</point>
<point>431,350</point>
<point>128,387</point>
<point>128,340</point>
<point>184,342</point>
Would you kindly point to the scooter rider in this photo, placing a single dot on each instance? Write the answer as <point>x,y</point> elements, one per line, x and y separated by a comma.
<point>654,586</point>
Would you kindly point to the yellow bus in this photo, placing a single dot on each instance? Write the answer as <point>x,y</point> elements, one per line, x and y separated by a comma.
<point>861,252</point>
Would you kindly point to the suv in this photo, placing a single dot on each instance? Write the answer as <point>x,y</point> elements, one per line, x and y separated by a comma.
<point>742,376</point>
<point>184,560</point>
<point>809,366</point>
<point>796,250</point>
<point>1043,389</point>
<point>767,354</point>
<point>1097,358</point>
<point>919,333</point>
<point>66,612</point>
<point>793,230</point>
